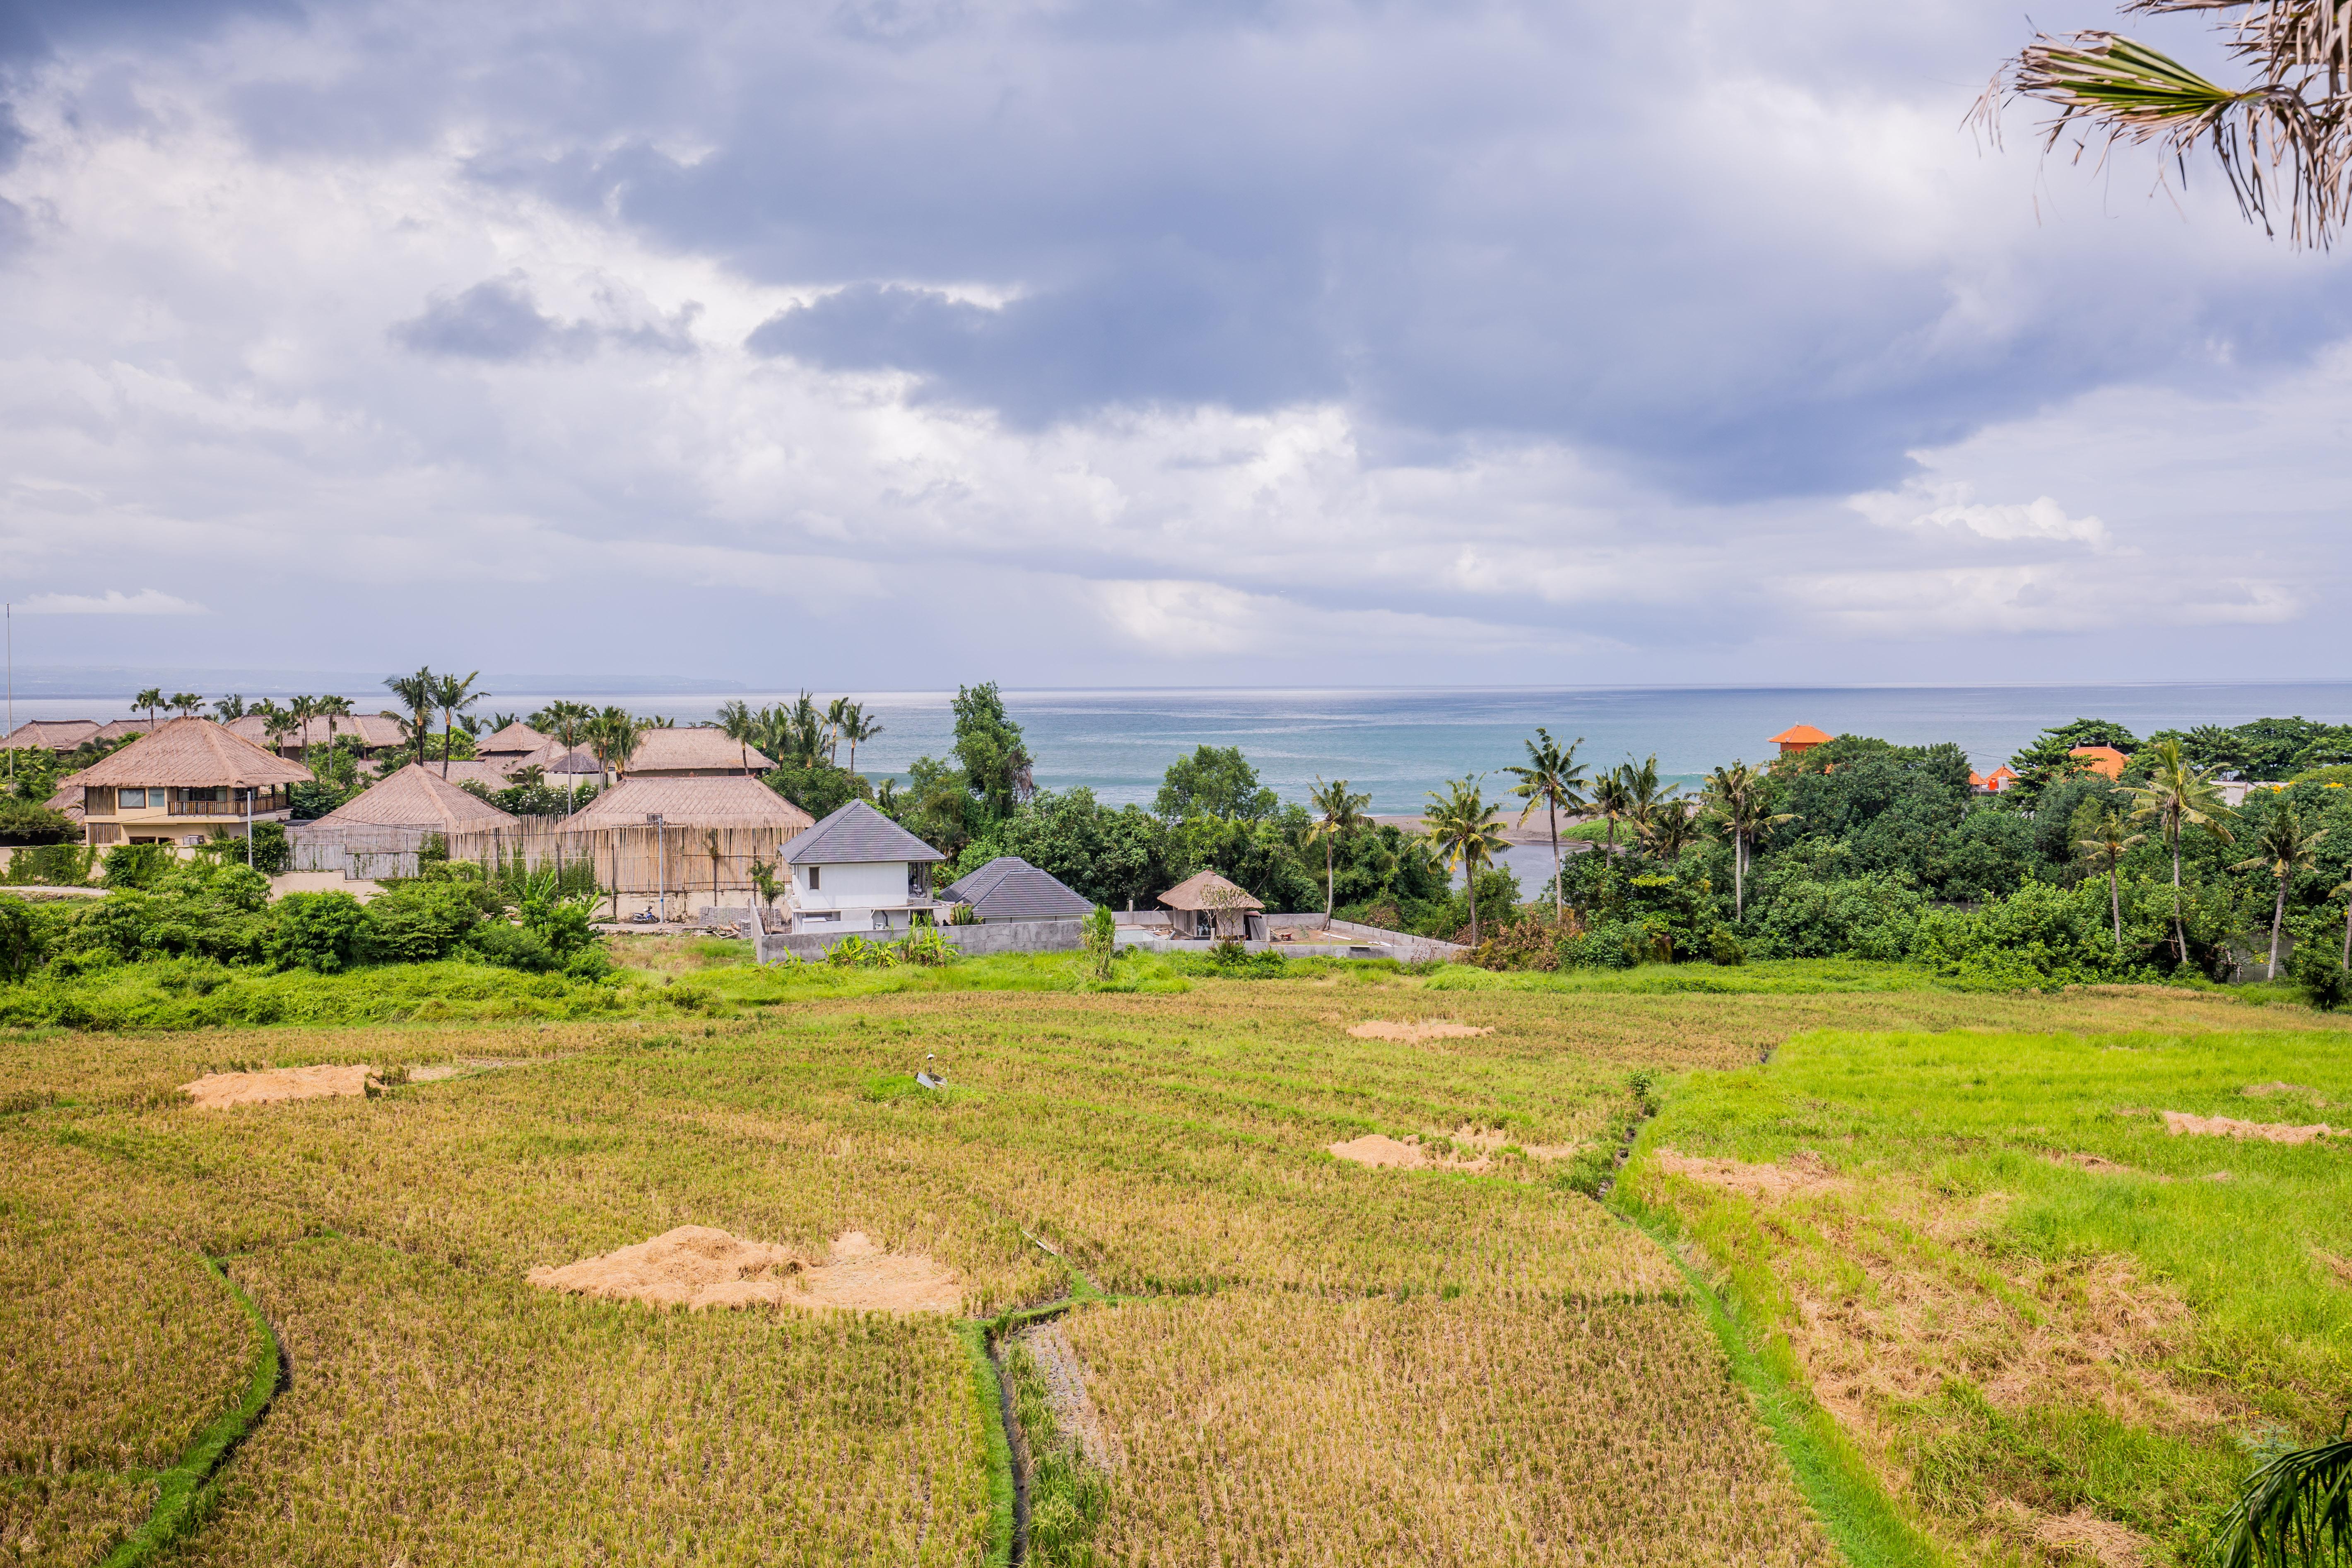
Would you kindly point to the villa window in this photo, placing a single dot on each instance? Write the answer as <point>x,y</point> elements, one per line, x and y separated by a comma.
<point>130,800</point>
<point>814,883</point>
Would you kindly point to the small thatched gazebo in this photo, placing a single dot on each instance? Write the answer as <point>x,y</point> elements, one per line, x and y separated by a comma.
<point>508,744</point>
<point>1208,905</point>
<point>417,798</point>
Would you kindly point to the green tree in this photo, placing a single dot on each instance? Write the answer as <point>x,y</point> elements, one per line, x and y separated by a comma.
<point>1214,781</point>
<point>230,709</point>
<point>1740,799</point>
<point>1460,824</point>
<point>836,712</point>
<point>303,708</point>
<point>2104,848</point>
<point>1611,799</point>
<point>2284,847</point>
<point>453,695</point>
<point>188,703</point>
<point>276,723</point>
<point>1553,779</point>
<point>856,728</point>
<point>614,734</point>
<point>330,709</point>
<point>416,694</point>
<point>2177,797</point>
<point>151,700</point>
<point>566,723</point>
<point>2297,1508</point>
<point>1338,814</point>
<point>740,725</point>
<point>995,755</point>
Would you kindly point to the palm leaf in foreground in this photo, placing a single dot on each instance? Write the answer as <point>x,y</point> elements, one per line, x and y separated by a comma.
<point>2287,129</point>
<point>2297,1509</point>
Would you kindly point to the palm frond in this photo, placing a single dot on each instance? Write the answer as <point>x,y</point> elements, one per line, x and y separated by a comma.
<point>2281,143</point>
<point>2297,1509</point>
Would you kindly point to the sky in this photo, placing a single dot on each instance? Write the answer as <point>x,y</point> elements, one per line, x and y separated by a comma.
<point>896,343</point>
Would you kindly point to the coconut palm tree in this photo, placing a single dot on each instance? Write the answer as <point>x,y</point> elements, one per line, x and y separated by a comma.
<point>800,735</point>
<point>275,723</point>
<point>1341,815</point>
<point>857,727</point>
<point>415,693</point>
<point>566,723</point>
<point>2284,847</point>
<point>740,725</point>
<point>1553,779</point>
<point>189,703</point>
<point>1460,826</point>
<point>304,709</point>
<point>452,696</point>
<point>230,709</point>
<point>614,734</point>
<point>2295,1509</point>
<point>1740,799</point>
<point>1611,800</point>
<point>2105,850</point>
<point>2178,796</point>
<point>332,709</point>
<point>2283,138</point>
<point>835,712</point>
<point>1644,799</point>
<point>151,700</point>
<point>1671,828</point>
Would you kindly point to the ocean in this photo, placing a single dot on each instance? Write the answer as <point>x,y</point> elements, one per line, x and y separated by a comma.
<point>1397,745</point>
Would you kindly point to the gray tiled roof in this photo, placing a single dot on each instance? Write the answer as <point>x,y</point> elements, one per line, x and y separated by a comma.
<point>1010,889</point>
<point>857,833</point>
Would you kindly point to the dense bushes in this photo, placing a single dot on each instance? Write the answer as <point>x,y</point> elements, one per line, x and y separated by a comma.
<point>219,913</point>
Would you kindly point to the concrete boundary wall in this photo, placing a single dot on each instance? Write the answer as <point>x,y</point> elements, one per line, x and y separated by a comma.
<point>972,942</point>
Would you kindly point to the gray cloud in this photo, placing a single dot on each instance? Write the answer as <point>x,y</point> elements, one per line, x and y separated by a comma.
<point>498,320</point>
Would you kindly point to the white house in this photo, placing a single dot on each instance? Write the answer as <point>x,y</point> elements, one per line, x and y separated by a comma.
<point>856,871</point>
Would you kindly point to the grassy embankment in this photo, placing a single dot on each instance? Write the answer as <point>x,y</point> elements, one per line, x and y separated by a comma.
<point>2043,1320</point>
<point>1375,1364</point>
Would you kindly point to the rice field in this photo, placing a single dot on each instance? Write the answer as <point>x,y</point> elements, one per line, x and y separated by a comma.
<point>2053,1327</point>
<point>1495,1367</point>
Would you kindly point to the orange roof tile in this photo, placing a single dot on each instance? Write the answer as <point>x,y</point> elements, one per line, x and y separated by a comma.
<point>1797,735</point>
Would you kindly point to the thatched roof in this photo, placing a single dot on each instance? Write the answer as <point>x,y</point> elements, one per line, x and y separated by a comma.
<point>1207,890</point>
<point>515,738</point>
<point>724,801</point>
<point>193,754</point>
<point>489,775</point>
<point>417,797</point>
<point>50,736</point>
<point>551,757</point>
<point>372,731</point>
<point>116,729</point>
<point>673,750</point>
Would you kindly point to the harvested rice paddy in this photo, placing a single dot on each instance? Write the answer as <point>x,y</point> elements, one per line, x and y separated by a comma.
<point>1280,1356</point>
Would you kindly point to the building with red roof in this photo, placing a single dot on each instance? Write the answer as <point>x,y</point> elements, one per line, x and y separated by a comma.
<point>1798,740</point>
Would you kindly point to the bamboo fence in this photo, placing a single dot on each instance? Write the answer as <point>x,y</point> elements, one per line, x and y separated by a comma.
<point>672,858</point>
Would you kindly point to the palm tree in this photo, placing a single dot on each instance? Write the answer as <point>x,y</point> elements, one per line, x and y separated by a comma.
<point>566,723</point>
<point>1740,798</point>
<point>189,703</point>
<point>2109,842</point>
<point>2290,127</point>
<point>415,693</point>
<point>332,709</point>
<point>453,697</point>
<point>710,843</point>
<point>857,727</point>
<point>800,739</point>
<point>835,712</point>
<point>304,709</point>
<point>2285,848</point>
<point>740,725</point>
<point>1612,801</point>
<point>151,700</point>
<point>614,734</point>
<point>2295,1509</point>
<point>1554,780</point>
<point>275,723</point>
<point>2176,798</point>
<point>1460,826</point>
<point>1672,827</point>
<point>1342,816</point>
<point>228,708</point>
<point>1643,798</point>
